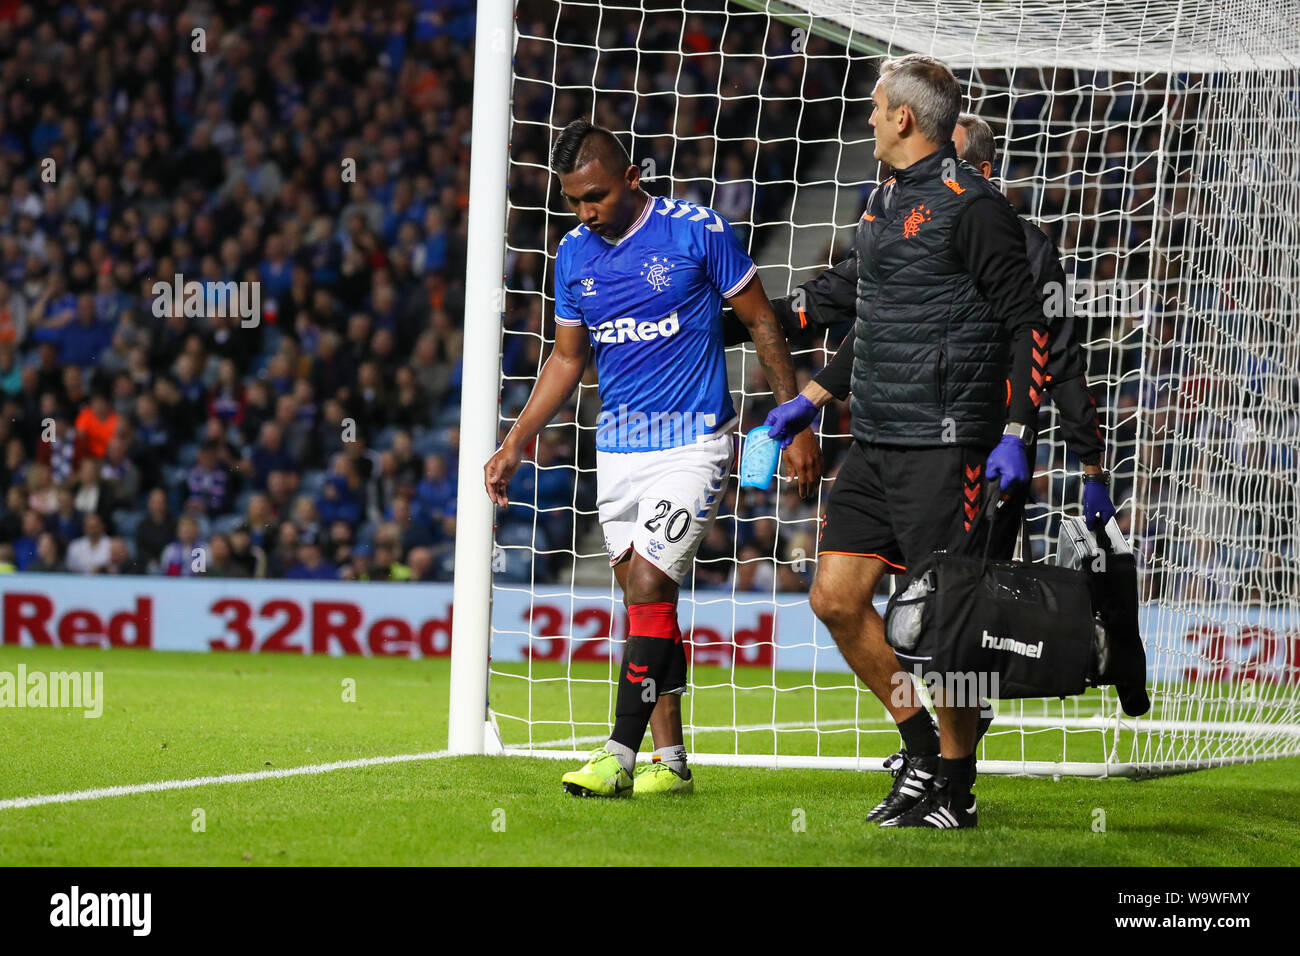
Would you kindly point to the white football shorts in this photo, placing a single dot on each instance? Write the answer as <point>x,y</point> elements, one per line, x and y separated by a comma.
<point>661,503</point>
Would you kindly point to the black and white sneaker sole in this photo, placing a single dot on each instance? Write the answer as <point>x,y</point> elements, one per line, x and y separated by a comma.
<point>937,817</point>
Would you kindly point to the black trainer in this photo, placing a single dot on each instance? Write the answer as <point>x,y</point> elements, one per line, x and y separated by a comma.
<point>937,811</point>
<point>912,777</point>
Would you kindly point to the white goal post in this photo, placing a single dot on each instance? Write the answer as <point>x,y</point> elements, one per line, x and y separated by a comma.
<point>1157,142</point>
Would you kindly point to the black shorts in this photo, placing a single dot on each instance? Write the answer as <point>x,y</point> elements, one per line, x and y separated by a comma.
<point>899,504</point>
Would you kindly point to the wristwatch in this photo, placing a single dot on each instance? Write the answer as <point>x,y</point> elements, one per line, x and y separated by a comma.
<point>1020,432</point>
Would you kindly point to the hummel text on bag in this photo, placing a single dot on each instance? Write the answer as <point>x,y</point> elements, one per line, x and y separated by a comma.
<point>993,642</point>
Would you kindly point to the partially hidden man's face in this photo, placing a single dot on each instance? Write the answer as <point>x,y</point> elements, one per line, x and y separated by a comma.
<point>959,143</point>
<point>605,202</point>
<point>885,122</point>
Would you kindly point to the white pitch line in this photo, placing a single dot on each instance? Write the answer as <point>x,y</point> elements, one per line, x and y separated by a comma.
<point>124,790</point>
<point>705,729</point>
<point>1006,720</point>
<point>99,793</point>
<point>1003,723</point>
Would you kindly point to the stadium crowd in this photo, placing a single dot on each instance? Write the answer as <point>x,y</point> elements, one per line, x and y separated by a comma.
<point>322,441</point>
<point>731,111</point>
<point>319,442</point>
<point>727,112</point>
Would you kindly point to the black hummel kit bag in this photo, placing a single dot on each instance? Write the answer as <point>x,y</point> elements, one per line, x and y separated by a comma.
<point>1026,629</point>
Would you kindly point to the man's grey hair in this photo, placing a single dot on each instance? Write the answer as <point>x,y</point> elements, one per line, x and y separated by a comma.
<point>979,146</point>
<point>929,88</point>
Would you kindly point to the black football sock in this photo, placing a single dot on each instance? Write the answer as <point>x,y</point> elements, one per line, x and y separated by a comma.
<point>675,678</point>
<point>650,651</point>
<point>960,776</point>
<point>644,663</point>
<point>920,739</point>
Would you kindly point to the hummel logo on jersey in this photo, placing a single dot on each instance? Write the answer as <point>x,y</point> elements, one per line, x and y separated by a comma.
<point>636,674</point>
<point>993,642</point>
<point>587,284</point>
<point>618,331</point>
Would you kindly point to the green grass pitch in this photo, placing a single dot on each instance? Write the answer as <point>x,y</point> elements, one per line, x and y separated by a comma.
<point>175,716</point>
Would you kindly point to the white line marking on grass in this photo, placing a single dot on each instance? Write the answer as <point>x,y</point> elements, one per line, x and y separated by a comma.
<point>123,790</point>
<point>705,729</point>
<point>1004,724</point>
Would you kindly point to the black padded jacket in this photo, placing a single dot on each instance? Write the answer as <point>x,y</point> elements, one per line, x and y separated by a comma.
<point>949,338</point>
<point>830,303</point>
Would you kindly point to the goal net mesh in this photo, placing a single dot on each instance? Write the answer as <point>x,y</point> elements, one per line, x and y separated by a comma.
<point>1157,143</point>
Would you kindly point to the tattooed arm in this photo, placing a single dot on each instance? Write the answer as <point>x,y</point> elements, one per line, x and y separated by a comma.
<point>803,456</point>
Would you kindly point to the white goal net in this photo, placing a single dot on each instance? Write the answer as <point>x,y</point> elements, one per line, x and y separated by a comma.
<point>1157,142</point>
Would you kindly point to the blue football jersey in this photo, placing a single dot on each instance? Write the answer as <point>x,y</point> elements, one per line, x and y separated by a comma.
<point>652,303</point>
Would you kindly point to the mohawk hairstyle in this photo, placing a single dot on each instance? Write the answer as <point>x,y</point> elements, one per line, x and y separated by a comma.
<point>580,143</point>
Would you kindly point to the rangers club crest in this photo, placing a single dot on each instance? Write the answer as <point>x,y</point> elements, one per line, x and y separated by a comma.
<point>915,218</point>
<point>656,271</point>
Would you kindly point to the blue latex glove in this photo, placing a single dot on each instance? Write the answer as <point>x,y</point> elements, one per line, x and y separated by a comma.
<point>1097,506</point>
<point>1008,462</point>
<point>789,419</point>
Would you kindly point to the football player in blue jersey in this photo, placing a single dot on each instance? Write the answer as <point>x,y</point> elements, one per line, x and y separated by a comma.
<point>642,281</point>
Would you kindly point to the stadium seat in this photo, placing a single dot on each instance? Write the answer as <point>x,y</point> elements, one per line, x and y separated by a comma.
<point>431,442</point>
<point>312,482</point>
<point>174,485</point>
<point>227,523</point>
<point>240,506</point>
<point>125,522</point>
<point>444,562</point>
<point>447,417</point>
<point>516,566</point>
<point>257,366</point>
<point>521,535</point>
<point>271,337</point>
